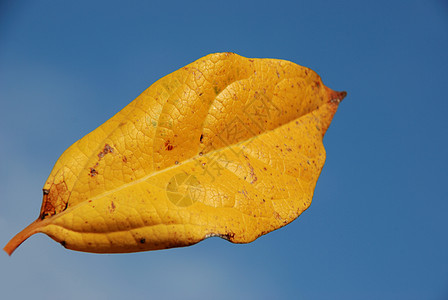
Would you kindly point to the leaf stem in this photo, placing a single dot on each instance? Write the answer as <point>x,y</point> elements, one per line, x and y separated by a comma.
<point>22,236</point>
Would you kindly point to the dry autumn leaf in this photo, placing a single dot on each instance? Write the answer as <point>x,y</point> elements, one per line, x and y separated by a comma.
<point>226,146</point>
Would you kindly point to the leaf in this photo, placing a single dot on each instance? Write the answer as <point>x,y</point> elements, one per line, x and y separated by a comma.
<point>226,146</point>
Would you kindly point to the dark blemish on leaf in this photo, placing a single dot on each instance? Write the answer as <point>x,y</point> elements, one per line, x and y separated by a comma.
<point>64,244</point>
<point>46,191</point>
<point>229,236</point>
<point>93,172</point>
<point>244,192</point>
<point>107,149</point>
<point>142,240</point>
<point>111,207</point>
<point>168,146</point>
<point>216,89</point>
<point>200,94</point>
<point>124,159</point>
<point>277,216</point>
<point>55,200</point>
<point>252,173</point>
<point>200,139</point>
<point>43,216</point>
<point>66,205</point>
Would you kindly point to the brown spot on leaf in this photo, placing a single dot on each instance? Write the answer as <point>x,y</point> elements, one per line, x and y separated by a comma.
<point>124,159</point>
<point>168,145</point>
<point>251,171</point>
<point>55,200</point>
<point>277,216</point>
<point>93,172</point>
<point>111,207</point>
<point>229,236</point>
<point>142,240</point>
<point>107,149</point>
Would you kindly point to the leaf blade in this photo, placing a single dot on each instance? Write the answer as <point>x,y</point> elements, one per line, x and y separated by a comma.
<point>211,167</point>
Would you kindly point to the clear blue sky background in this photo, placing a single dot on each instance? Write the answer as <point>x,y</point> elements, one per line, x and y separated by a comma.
<point>377,227</point>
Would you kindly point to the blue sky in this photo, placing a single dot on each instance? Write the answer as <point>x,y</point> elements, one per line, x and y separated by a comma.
<point>377,227</point>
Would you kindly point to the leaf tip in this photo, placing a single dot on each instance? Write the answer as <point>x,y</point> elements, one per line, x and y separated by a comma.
<point>336,97</point>
<point>342,95</point>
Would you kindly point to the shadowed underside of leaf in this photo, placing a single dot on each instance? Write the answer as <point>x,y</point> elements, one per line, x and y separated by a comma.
<point>226,146</point>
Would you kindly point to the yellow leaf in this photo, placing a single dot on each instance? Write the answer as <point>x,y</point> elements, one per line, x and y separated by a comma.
<point>226,146</point>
